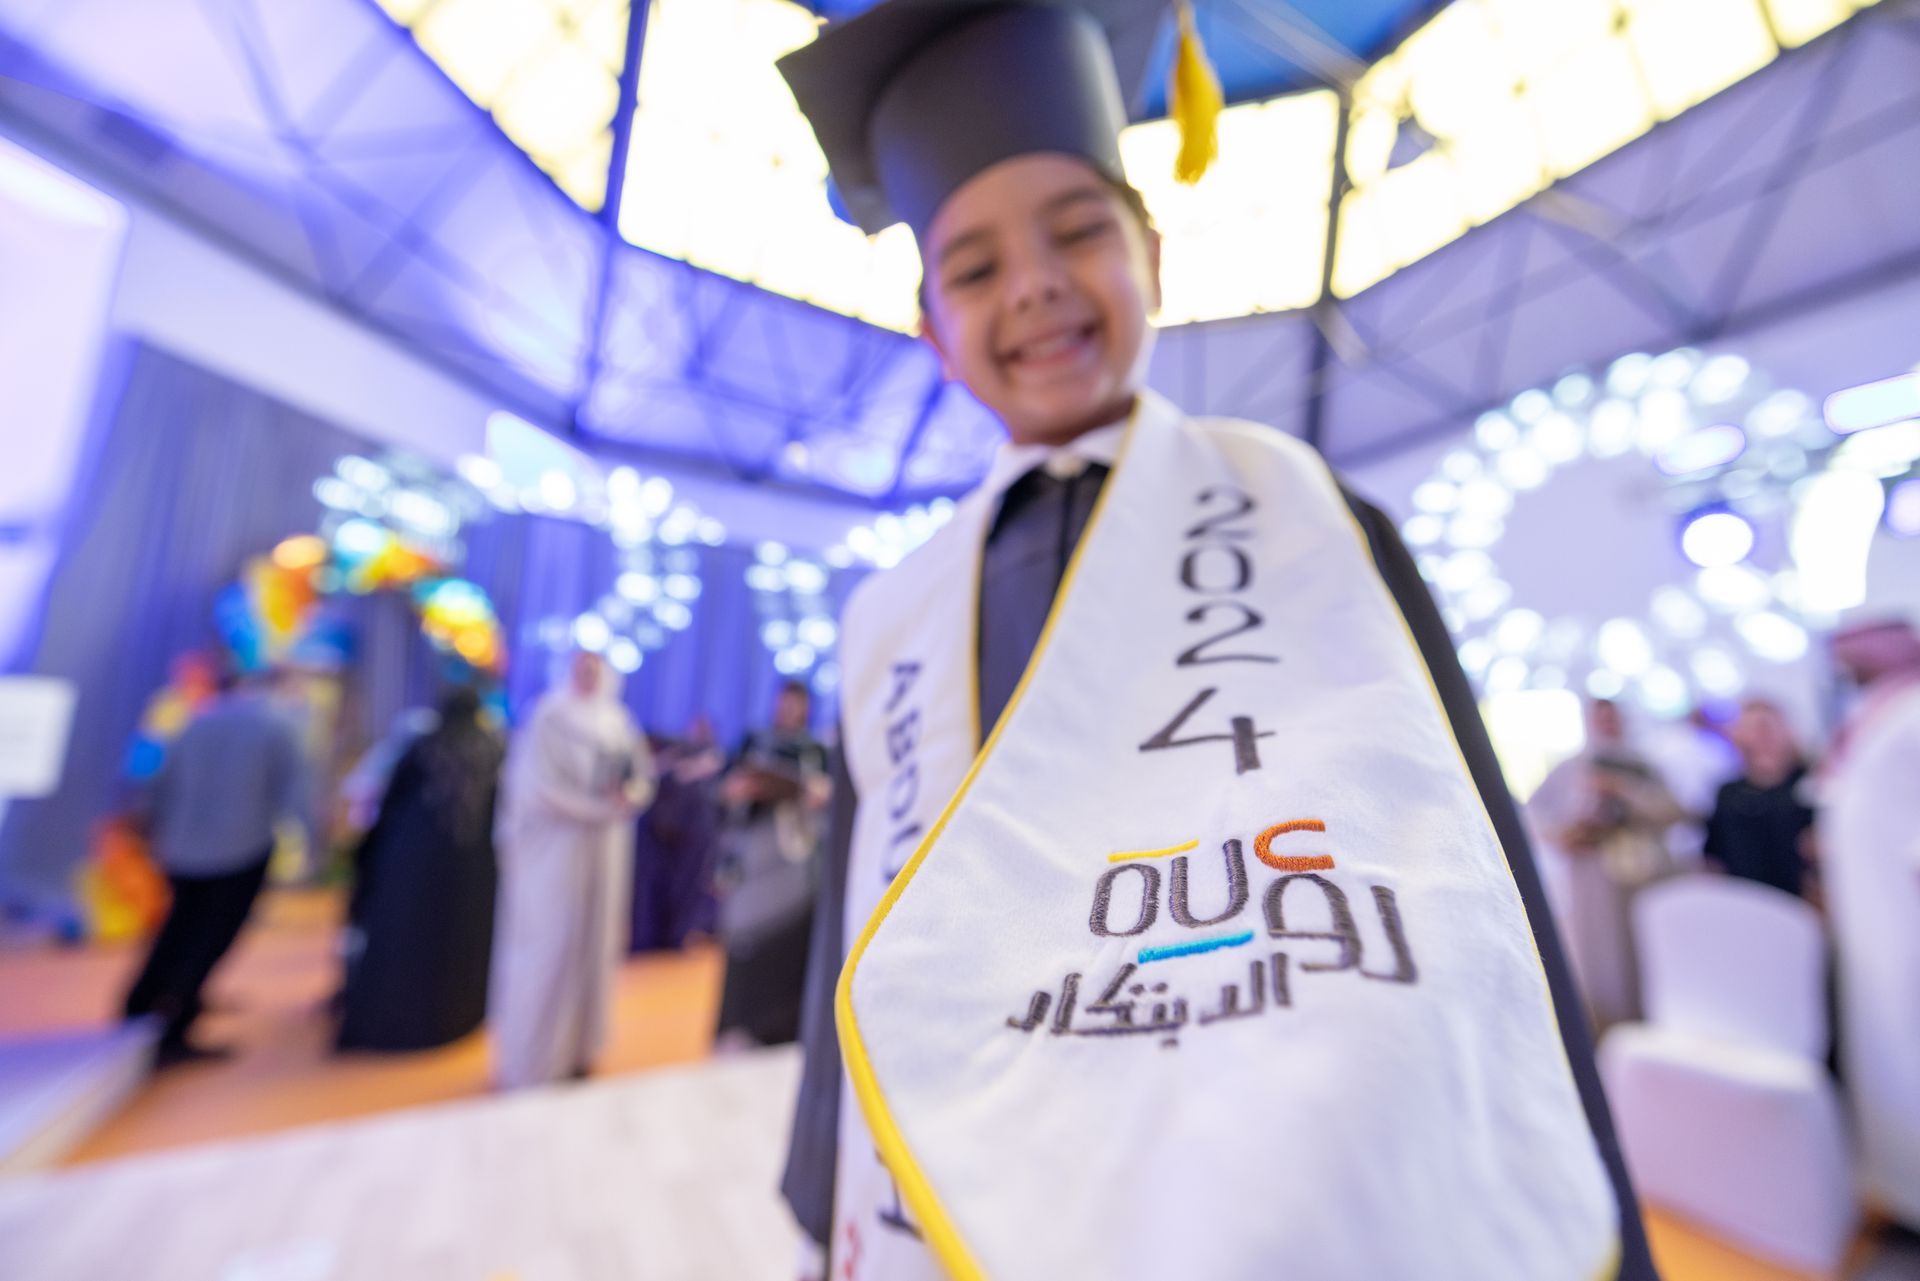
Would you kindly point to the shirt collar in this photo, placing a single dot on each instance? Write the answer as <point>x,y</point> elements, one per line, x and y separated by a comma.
<point>1100,445</point>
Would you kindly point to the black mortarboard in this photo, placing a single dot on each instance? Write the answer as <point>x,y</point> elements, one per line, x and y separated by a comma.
<point>913,97</point>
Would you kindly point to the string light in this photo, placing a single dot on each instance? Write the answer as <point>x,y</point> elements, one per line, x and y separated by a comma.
<point>1726,446</point>
<point>1713,537</point>
<point>659,565</point>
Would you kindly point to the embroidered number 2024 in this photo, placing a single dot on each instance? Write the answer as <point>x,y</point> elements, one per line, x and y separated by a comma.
<point>1215,566</point>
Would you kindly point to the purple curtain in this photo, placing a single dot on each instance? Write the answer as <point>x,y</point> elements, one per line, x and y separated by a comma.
<point>194,474</point>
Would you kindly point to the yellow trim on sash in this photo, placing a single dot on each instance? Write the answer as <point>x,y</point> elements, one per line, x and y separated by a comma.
<point>936,1225</point>
<point>1125,855</point>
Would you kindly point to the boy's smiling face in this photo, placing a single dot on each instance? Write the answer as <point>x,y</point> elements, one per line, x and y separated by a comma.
<point>1038,283</point>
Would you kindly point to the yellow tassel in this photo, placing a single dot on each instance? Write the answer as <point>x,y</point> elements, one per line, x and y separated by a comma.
<point>1194,100</point>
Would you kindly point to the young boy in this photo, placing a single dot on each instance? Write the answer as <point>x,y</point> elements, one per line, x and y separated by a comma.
<point>1177,922</point>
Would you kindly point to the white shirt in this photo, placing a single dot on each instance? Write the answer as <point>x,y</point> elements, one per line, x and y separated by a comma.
<point>1100,445</point>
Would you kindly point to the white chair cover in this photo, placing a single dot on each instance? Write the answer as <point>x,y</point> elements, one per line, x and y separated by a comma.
<point>1735,961</point>
<point>1724,1107</point>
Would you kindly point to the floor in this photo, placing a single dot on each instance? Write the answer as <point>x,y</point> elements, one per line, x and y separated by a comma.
<point>668,1175</point>
<point>269,999</point>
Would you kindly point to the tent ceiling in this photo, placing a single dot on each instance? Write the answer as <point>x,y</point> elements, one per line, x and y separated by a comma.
<point>1503,97</point>
<point>318,139</point>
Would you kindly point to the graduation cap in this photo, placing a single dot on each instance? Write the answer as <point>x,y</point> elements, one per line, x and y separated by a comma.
<point>913,97</point>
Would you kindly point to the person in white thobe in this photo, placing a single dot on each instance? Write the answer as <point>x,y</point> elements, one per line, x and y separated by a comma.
<point>1870,850</point>
<point>1605,812</point>
<point>576,775</point>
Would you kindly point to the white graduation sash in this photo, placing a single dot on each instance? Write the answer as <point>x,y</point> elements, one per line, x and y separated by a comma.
<point>1211,965</point>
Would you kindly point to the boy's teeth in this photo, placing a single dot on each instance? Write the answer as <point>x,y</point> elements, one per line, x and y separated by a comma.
<point>1049,346</point>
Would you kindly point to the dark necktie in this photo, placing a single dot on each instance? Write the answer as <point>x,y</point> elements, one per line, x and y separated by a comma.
<point>1032,538</point>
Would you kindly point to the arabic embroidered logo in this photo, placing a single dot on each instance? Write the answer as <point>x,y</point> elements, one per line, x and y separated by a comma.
<point>1268,985</point>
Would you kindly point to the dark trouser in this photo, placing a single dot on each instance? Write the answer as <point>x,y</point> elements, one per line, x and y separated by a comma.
<point>202,924</point>
<point>766,983</point>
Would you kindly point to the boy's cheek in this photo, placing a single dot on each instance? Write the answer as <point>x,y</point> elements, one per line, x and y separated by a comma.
<point>939,331</point>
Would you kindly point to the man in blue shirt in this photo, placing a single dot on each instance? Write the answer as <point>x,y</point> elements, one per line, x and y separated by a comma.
<point>211,812</point>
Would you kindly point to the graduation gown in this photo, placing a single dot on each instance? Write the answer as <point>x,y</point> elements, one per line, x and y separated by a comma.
<point>1028,547</point>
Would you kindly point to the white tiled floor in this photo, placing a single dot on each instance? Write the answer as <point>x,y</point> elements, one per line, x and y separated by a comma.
<point>665,1176</point>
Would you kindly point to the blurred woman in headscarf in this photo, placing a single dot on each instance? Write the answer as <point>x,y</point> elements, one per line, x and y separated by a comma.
<point>421,925</point>
<point>577,774</point>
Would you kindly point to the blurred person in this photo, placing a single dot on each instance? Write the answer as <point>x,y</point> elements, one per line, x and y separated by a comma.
<point>193,682</point>
<point>674,847</point>
<point>121,890</point>
<point>365,785</point>
<point>231,777</point>
<point>1761,825</point>
<point>577,774</point>
<point>304,699</point>
<point>1870,851</point>
<point>775,793</point>
<point>421,921</point>
<point>1693,756</point>
<point>1607,811</point>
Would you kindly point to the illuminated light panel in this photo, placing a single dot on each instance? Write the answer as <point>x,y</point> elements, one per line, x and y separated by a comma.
<point>1692,50</point>
<point>1591,102</point>
<point>548,70</point>
<point>1249,237</point>
<point>1518,93</point>
<point>723,171</point>
<point>1798,21</point>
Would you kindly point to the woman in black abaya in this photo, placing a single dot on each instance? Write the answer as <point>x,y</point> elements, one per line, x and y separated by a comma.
<point>423,898</point>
